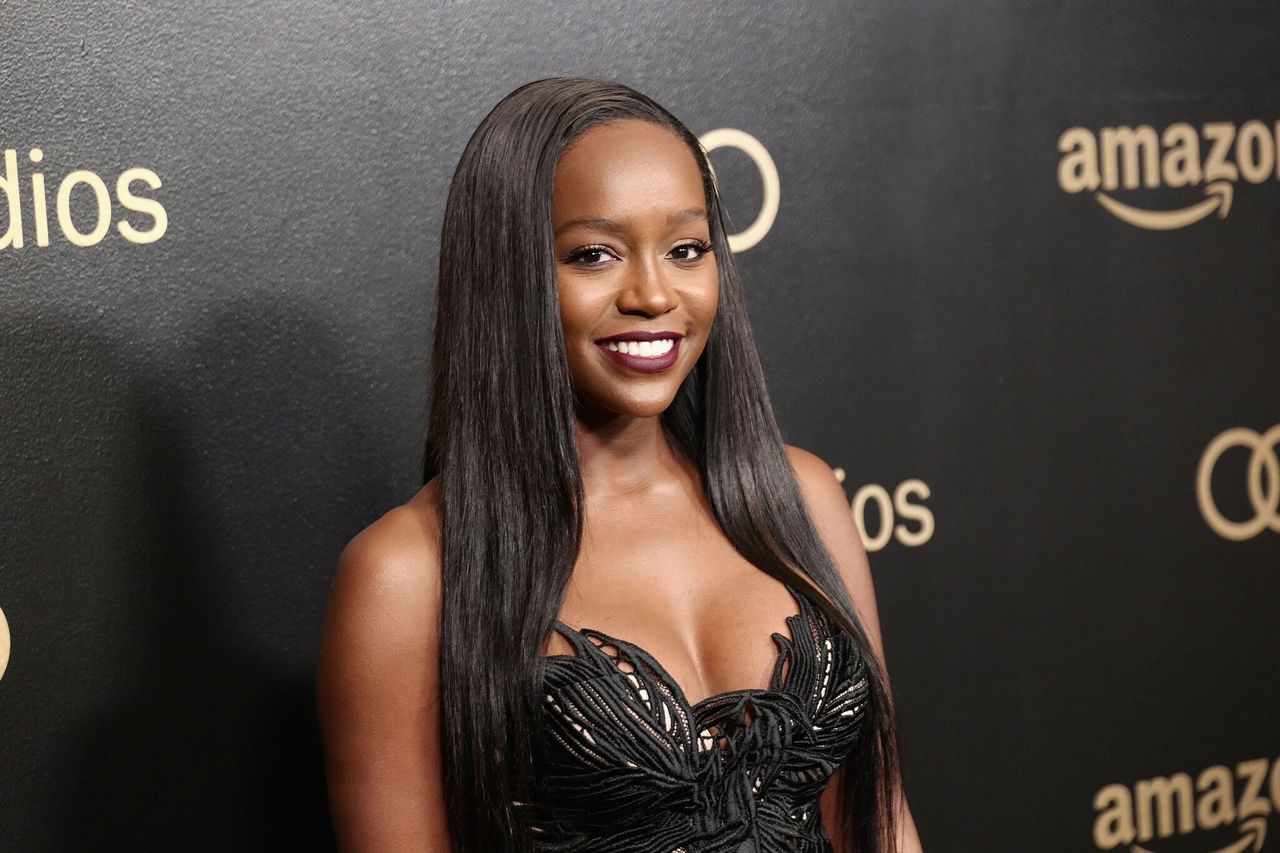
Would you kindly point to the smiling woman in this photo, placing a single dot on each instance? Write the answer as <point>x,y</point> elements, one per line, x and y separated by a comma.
<point>602,452</point>
<point>636,275</point>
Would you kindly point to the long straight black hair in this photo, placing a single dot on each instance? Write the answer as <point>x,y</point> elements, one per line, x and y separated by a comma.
<point>501,437</point>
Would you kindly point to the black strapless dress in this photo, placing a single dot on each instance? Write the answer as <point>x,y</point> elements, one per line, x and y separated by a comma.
<point>632,767</point>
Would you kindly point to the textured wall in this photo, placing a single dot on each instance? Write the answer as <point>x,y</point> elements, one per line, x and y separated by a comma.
<point>959,305</point>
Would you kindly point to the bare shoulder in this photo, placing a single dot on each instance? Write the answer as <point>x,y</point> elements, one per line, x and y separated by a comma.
<point>825,499</point>
<point>377,685</point>
<point>817,480</point>
<point>828,506</point>
<point>398,553</point>
<point>388,575</point>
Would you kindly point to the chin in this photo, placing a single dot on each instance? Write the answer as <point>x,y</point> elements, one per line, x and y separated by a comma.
<point>645,410</point>
<point>642,408</point>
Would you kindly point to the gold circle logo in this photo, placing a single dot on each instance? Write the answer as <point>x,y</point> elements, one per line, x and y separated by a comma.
<point>4,644</point>
<point>1265,503</point>
<point>728,137</point>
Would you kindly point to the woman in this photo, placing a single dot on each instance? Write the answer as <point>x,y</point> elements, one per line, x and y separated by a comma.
<point>608,621</point>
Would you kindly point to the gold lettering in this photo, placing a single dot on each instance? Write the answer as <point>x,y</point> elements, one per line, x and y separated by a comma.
<point>1255,169</point>
<point>1114,825</point>
<point>1160,791</point>
<point>1130,140</point>
<point>1215,165</point>
<point>38,200</point>
<point>1217,806</point>
<point>914,512</point>
<point>91,238</point>
<point>1275,783</point>
<point>141,204</point>
<point>871,491</point>
<point>1181,164</point>
<point>1079,169</point>
<point>1253,774</point>
<point>9,183</point>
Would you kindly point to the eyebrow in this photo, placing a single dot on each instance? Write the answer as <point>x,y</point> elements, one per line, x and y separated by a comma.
<point>689,214</point>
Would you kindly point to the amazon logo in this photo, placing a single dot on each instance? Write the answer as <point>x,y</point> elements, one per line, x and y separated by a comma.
<point>1213,157</point>
<point>1235,803</point>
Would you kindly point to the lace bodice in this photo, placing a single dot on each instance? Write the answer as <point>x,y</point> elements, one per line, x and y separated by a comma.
<point>632,766</point>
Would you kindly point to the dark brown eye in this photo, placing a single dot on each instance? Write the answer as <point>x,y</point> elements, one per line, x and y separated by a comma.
<point>588,256</point>
<point>691,251</point>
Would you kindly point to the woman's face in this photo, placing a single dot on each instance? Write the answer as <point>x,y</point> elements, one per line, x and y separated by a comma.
<point>633,259</point>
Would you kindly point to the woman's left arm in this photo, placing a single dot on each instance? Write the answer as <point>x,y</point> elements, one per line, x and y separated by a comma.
<point>829,508</point>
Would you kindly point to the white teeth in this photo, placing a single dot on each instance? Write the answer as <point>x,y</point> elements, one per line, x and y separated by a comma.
<point>644,349</point>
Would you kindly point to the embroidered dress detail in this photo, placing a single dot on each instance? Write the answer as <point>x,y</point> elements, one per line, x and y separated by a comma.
<point>632,766</point>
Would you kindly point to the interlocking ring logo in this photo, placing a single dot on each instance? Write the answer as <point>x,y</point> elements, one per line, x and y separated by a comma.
<point>1265,504</point>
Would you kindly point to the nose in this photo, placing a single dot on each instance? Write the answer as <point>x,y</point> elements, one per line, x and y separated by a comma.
<point>647,290</point>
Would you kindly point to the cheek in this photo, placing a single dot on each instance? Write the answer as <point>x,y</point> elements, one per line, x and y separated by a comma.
<point>578,322</point>
<point>708,298</point>
<point>574,312</point>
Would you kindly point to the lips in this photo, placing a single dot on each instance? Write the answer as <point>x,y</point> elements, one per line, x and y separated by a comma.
<point>644,352</point>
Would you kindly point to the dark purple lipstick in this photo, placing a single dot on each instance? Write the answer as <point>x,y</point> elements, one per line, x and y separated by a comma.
<point>630,353</point>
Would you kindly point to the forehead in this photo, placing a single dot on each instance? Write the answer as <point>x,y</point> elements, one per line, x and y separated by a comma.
<point>626,168</point>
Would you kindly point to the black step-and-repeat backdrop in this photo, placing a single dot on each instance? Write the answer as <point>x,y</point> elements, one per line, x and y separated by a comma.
<point>1014,273</point>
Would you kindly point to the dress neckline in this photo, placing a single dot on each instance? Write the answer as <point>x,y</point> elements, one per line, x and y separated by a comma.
<point>794,623</point>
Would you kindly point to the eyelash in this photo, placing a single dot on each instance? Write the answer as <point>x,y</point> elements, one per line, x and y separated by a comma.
<point>576,255</point>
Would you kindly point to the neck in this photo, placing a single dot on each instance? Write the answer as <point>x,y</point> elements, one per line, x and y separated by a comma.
<point>622,455</point>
